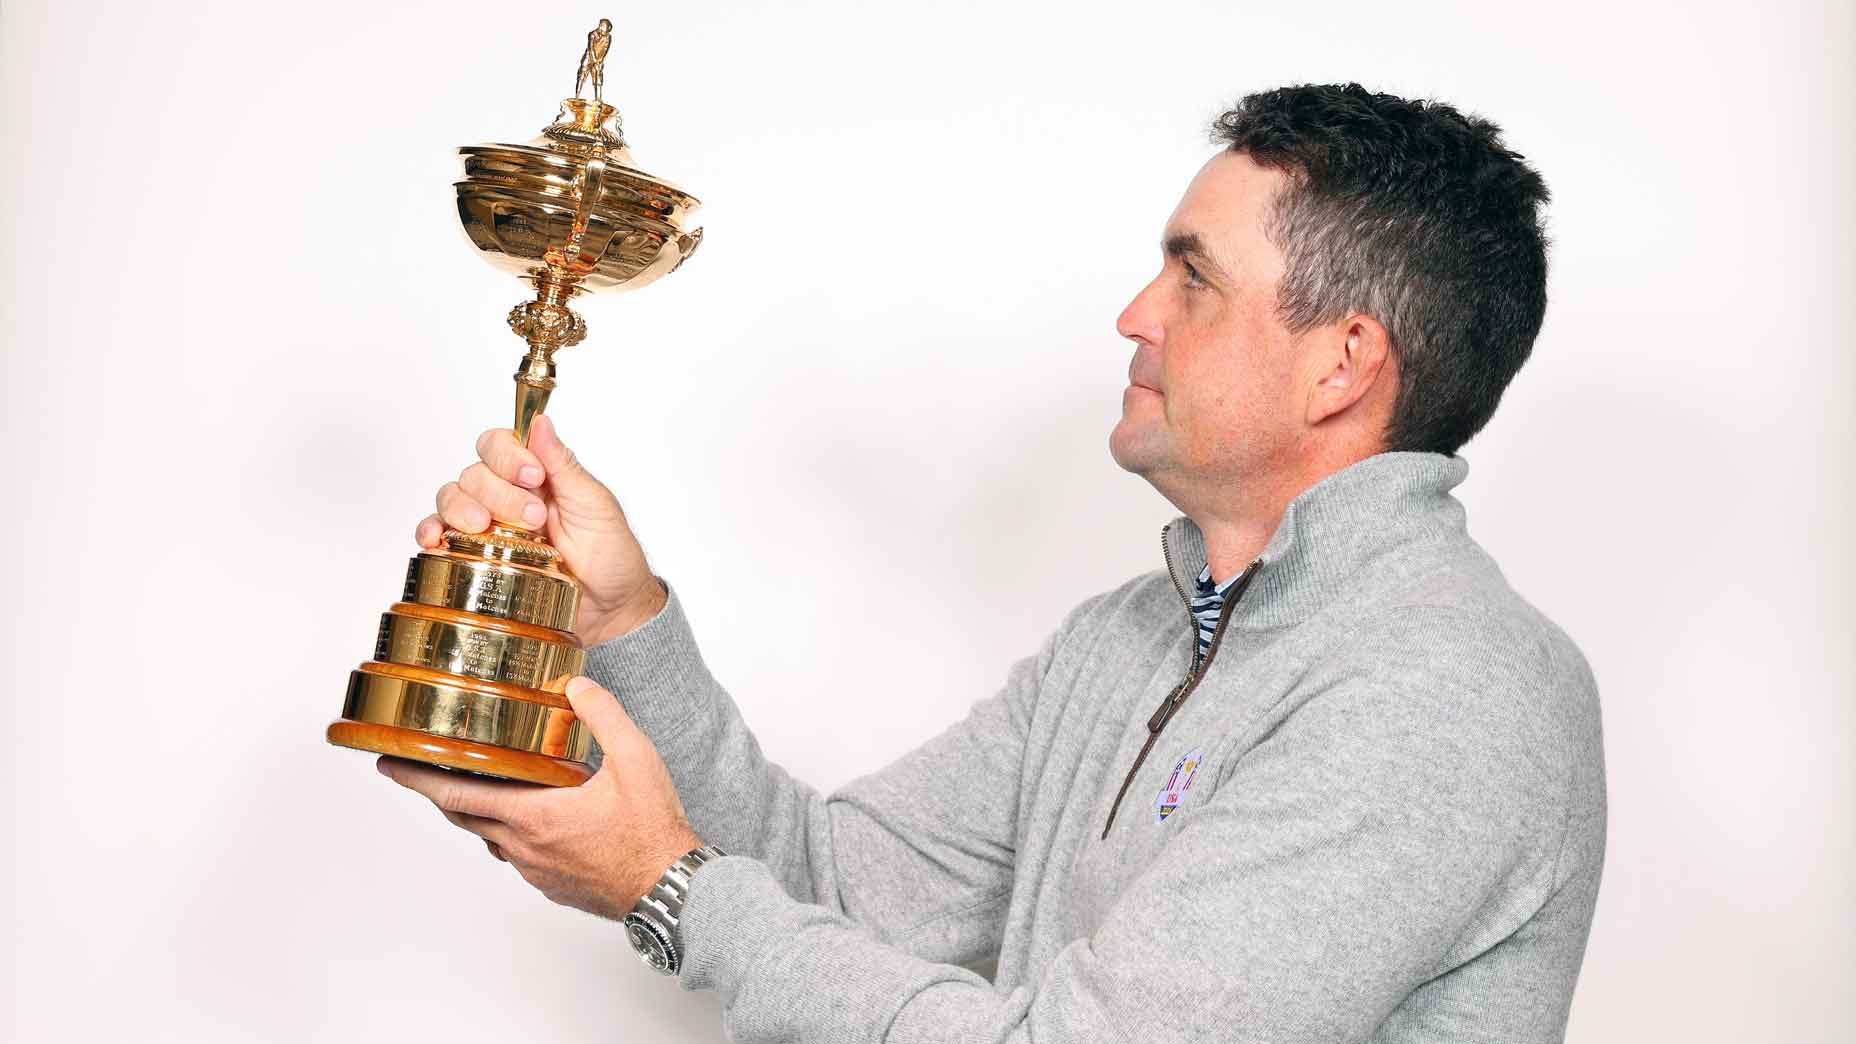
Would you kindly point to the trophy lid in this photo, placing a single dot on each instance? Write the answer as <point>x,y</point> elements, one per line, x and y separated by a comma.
<point>570,205</point>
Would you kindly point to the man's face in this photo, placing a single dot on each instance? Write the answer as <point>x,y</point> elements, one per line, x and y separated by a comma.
<point>1210,389</point>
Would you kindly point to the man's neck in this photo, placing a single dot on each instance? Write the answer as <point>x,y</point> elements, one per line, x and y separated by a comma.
<point>1230,545</point>
<point>1237,530</point>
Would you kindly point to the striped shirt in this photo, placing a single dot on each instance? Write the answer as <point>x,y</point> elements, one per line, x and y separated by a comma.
<point>1206,605</point>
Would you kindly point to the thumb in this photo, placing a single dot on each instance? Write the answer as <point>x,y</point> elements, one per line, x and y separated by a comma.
<point>610,725</point>
<point>566,477</point>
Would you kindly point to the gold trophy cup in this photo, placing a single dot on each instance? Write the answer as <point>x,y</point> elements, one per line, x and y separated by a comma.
<point>471,665</point>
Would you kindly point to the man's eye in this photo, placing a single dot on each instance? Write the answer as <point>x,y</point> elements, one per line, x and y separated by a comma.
<point>1192,275</point>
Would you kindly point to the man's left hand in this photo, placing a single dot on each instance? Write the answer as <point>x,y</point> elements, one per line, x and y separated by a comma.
<point>597,847</point>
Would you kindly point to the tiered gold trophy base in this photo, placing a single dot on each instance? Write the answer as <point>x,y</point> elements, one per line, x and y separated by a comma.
<point>471,666</point>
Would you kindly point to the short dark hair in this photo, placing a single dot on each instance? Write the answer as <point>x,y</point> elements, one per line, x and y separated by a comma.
<point>1418,215</point>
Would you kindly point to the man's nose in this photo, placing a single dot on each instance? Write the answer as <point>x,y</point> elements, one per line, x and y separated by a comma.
<point>1140,320</point>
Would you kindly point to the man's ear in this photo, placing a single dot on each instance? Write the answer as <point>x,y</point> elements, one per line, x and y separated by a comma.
<point>1353,368</point>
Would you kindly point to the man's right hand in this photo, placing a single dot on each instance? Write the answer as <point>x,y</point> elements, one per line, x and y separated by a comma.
<point>541,487</point>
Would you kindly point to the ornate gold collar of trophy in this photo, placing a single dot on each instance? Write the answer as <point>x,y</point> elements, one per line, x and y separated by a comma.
<point>471,665</point>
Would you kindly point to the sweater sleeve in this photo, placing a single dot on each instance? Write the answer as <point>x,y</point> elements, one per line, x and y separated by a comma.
<point>937,827</point>
<point>1345,860</point>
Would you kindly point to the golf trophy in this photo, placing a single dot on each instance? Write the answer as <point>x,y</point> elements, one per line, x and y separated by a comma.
<point>471,665</point>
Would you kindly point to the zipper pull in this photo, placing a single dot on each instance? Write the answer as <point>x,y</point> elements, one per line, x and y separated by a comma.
<point>1164,711</point>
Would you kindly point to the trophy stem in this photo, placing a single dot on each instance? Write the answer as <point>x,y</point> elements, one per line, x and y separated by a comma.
<point>548,325</point>
<point>533,387</point>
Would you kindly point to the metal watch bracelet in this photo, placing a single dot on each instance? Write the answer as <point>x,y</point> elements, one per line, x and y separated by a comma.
<point>652,925</point>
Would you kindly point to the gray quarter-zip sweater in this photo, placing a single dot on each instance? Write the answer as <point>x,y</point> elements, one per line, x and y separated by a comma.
<point>1376,812</point>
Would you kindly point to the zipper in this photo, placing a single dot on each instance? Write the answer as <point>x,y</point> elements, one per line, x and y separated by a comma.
<point>1177,697</point>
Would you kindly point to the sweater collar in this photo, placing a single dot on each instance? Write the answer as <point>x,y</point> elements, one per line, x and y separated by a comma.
<point>1331,530</point>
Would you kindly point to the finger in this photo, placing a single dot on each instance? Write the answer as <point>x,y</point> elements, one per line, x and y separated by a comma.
<point>505,500</point>
<point>460,511</point>
<point>494,831</point>
<point>452,792</point>
<point>611,726</point>
<point>430,531</point>
<point>509,459</point>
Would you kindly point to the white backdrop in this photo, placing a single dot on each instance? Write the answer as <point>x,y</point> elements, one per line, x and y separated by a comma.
<point>245,342</point>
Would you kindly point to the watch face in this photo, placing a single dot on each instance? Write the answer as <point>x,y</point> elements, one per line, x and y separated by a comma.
<point>649,941</point>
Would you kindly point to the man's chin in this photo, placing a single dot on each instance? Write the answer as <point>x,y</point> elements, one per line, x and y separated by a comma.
<point>1133,450</point>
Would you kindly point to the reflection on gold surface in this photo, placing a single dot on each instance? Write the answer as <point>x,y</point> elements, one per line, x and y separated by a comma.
<point>500,589</point>
<point>471,647</point>
<point>431,705</point>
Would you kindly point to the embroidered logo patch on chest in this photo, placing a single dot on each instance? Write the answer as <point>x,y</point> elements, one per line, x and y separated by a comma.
<point>1173,794</point>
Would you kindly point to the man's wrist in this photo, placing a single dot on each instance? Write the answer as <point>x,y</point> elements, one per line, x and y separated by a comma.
<point>653,927</point>
<point>634,613</point>
<point>650,865</point>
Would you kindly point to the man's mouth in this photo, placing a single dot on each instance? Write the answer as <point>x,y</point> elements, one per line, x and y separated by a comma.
<point>1138,376</point>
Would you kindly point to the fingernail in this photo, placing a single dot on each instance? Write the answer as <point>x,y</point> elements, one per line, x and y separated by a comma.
<point>578,685</point>
<point>534,514</point>
<point>530,475</point>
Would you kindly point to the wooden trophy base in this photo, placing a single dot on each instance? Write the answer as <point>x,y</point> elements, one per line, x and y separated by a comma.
<point>479,758</point>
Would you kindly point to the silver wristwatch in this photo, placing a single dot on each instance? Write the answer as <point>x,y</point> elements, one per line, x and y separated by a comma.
<point>652,924</point>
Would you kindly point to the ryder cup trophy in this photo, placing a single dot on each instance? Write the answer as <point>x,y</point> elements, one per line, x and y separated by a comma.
<point>471,665</point>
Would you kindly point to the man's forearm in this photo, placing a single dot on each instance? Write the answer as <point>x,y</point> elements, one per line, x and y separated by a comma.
<point>734,797</point>
<point>918,852</point>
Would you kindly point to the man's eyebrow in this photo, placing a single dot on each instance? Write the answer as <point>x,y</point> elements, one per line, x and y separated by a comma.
<point>1183,244</point>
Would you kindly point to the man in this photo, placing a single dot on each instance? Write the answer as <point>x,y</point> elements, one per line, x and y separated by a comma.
<point>1325,777</point>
